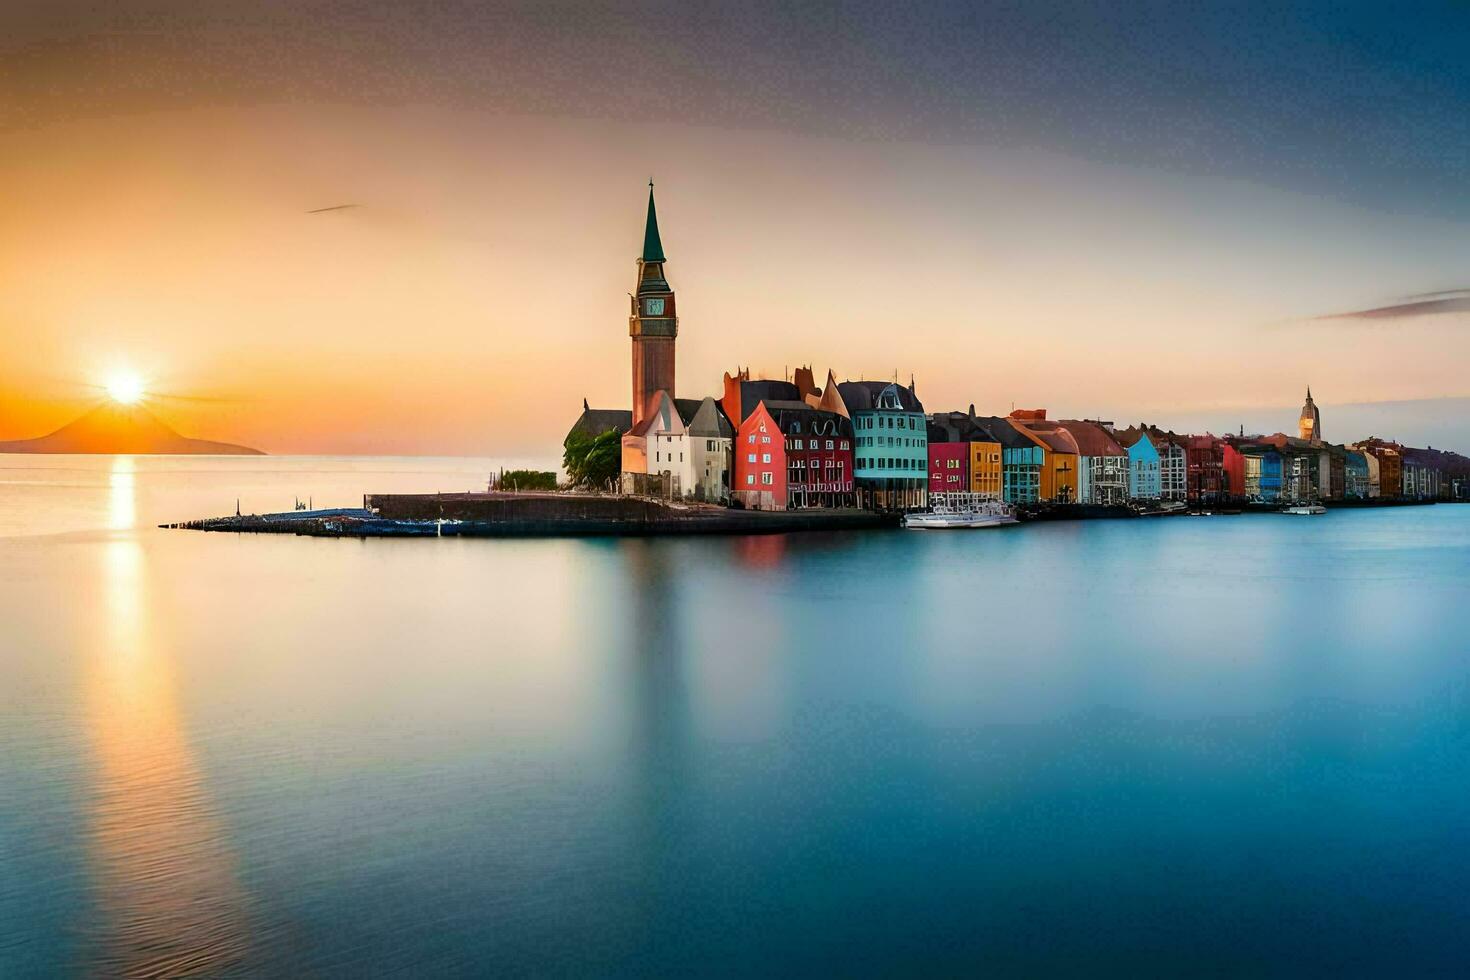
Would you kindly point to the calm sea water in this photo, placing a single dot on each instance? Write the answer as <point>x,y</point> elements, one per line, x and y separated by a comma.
<point>1174,747</point>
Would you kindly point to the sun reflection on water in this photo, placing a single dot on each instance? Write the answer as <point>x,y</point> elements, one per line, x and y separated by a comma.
<point>163,869</point>
<point>122,504</point>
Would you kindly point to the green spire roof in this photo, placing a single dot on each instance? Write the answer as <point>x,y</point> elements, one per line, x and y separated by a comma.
<point>653,247</point>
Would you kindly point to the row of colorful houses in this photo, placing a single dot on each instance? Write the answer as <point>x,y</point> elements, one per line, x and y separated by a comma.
<point>777,445</point>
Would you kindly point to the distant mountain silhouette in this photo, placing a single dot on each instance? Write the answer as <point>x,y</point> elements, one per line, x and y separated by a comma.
<point>123,429</point>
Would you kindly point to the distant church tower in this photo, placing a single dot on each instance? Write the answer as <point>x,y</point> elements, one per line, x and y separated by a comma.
<point>653,324</point>
<point>1310,425</point>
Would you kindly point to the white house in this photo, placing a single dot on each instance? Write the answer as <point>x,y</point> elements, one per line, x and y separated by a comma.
<point>658,445</point>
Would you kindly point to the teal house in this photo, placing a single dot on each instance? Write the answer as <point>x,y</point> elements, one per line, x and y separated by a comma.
<point>891,455</point>
<point>1144,481</point>
<point>1021,461</point>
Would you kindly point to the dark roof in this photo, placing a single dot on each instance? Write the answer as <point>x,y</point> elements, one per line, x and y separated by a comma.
<point>957,427</point>
<point>686,407</point>
<point>752,393</point>
<point>1092,439</point>
<point>653,246</point>
<point>595,421</point>
<point>1430,458</point>
<point>862,396</point>
<point>787,412</point>
<point>1157,437</point>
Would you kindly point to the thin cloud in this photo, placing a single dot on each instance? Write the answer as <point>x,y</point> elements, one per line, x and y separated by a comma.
<point>1424,304</point>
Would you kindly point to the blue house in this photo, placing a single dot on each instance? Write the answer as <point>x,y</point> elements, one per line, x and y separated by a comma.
<point>1144,479</point>
<point>1263,473</point>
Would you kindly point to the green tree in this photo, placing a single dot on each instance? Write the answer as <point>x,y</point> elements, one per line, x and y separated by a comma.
<point>526,480</point>
<point>593,462</point>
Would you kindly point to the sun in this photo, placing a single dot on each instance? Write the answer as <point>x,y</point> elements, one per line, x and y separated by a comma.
<point>125,389</point>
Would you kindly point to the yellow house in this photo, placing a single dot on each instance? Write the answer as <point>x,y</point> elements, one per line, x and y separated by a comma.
<point>985,469</point>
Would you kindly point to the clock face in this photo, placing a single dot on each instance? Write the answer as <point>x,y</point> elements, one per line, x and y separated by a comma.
<point>653,307</point>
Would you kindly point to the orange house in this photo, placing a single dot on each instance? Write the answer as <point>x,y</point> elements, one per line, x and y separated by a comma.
<point>1060,456</point>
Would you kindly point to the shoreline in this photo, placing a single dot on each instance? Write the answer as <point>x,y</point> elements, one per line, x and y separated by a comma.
<point>529,515</point>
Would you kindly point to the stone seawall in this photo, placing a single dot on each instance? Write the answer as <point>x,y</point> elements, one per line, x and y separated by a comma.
<point>535,515</point>
<point>507,514</point>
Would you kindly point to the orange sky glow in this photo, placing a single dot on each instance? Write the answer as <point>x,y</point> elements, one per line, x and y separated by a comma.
<point>476,293</point>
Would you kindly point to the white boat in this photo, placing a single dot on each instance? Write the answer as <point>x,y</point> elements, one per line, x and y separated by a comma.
<point>1304,510</point>
<point>960,510</point>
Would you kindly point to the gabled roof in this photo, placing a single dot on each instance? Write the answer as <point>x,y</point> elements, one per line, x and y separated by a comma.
<point>1092,439</point>
<point>595,421</point>
<point>706,420</point>
<point>663,416</point>
<point>831,399</point>
<point>653,246</point>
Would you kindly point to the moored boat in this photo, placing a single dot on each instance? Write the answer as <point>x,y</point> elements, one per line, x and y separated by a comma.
<point>1304,510</point>
<point>960,510</point>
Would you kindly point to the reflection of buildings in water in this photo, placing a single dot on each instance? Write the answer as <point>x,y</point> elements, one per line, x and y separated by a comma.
<point>761,550</point>
<point>775,550</point>
<point>164,875</point>
<point>654,630</point>
<point>659,702</point>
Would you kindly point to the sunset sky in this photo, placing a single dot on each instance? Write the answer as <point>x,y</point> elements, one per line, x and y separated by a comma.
<point>1138,213</point>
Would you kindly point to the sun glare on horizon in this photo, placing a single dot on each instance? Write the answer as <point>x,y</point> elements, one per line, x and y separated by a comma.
<point>125,389</point>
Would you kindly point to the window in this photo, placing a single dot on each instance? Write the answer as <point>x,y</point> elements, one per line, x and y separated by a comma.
<point>752,437</point>
<point>795,426</point>
<point>811,444</point>
<point>767,479</point>
<point>765,457</point>
<point>844,444</point>
<point>750,458</point>
<point>765,438</point>
<point>750,479</point>
<point>829,443</point>
<point>681,457</point>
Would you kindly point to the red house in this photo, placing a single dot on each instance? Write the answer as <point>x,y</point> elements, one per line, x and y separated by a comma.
<point>1205,469</point>
<point>789,455</point>
<point>1232,467</point>
<point>949,458</point>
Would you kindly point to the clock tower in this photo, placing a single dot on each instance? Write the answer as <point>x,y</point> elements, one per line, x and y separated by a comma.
<point>1309,426</point>
<point>652,323</point>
